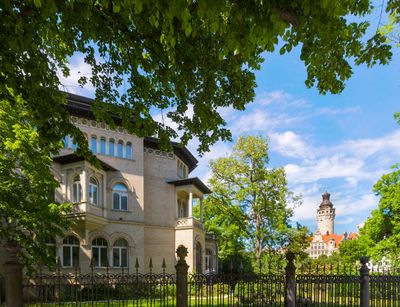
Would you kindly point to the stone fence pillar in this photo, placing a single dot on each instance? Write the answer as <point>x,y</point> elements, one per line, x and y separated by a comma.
<point>290,286</point>
<point>364,283</point>
<point>13,275</point>
<point>181,277</point>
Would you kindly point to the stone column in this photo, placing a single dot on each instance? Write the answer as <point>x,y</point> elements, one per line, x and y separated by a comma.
<point>290,287</point>
<point>190,204</point>
<point>181,277</point>
<point>13,275</point>
<point>85,186</point>
<point>364,283</point>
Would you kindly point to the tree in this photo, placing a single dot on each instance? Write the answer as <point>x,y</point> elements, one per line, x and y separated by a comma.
<point>391,30</point>
<point>249,203</point>
<point>26,184</point>
<point>165,55</point>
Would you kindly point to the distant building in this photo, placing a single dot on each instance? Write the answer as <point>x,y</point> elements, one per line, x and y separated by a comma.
<point>325,241</point>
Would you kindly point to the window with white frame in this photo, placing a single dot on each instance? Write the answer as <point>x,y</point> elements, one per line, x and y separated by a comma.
<point>99,253</point>
<point>120,254</point>
<point>76,189</point>
<point>181,169</point>
<point>70,252</point>
<point>120,197</point>
<point>93,191</point>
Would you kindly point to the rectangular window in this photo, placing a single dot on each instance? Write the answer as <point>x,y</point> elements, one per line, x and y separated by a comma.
<point>116,201</point>
<point>103,257</point>
<point>66,256</point>
<point>75,256</point>
<point>124,257</point>
<point>115,257</point>
<point>124,202</point>
<point>95,256</point>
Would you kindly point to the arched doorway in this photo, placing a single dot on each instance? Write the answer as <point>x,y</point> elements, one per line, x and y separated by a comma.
<point>199,260</point>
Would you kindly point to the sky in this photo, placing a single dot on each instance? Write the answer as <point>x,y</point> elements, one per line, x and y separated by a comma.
<point>337,143</point>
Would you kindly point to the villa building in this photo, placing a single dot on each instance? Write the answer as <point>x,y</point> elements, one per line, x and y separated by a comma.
<point>138,205</point>
<point>325,241</point>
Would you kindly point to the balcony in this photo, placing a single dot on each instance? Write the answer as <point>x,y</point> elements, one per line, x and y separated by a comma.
<point>188,222</point>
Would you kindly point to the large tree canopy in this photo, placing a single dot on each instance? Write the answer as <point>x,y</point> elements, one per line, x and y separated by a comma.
<point>165,55</point>
<point>172,54</point>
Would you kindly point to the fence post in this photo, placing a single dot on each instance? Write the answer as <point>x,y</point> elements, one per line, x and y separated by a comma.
<point>290,285</point>
<point>364,283</point>
<point>181,277</point>
<point>13,275</point>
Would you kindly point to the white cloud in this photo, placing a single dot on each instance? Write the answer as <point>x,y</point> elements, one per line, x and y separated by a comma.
<point>280,99</point>
<point>330,111</point>
<point>290,144</point>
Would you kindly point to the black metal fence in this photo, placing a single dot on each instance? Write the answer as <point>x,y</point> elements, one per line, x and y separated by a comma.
<point>304,286</point>
<point>328,285</point>
<point>106,289</point>
<point>236,289</point>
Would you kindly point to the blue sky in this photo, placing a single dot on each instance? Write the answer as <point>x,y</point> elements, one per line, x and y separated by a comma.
<point>339,143</point>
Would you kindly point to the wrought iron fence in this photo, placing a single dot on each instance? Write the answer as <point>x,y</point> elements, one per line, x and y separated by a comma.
<point>328,285</point>
<point>384,287</point>
<point>236,290</point>
<point>309,286</point>
<point>107,289</point>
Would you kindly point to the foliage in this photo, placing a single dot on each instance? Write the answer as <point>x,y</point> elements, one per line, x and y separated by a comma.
<point>248,208</point>
<point>165,55</point>
<point>28,212</point>
<point>351,251</point>
<point>175,54</point>
<point>391,30</point>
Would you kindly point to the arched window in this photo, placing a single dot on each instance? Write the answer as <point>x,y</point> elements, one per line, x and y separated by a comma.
<point>120,197</point>
<point>111,144</point>
<point>93,144</point>
<point>76,190</point>
<point>120,254</point>
<point>99,252</point>
<point>93,191</point>
<point>128,150</point>
<point>120,149</point>
<point>103,146</point>
<point>70,252</point>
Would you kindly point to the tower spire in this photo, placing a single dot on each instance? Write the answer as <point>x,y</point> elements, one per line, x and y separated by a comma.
<point>326,215</point>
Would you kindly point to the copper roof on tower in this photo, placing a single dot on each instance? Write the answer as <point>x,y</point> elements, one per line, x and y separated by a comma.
<point>326,201</point>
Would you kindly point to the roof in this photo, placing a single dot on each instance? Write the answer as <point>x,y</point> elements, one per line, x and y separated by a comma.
<point>191,181</point>
<point>70,158</point>
<point>335,237</point>
<point>338,238</point>
<point>181,151</point>
<point>326,200</point>
<point>82,106</point>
